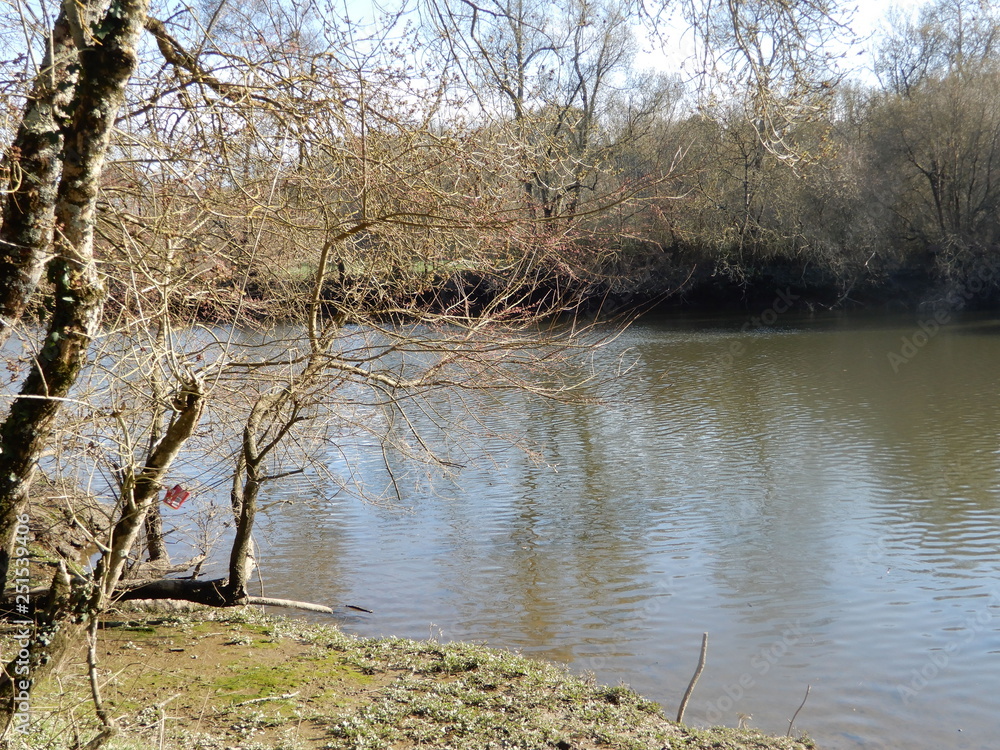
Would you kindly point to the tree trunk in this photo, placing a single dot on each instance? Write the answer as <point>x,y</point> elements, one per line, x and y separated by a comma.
<point>28,427</point>
<point>213,593</point>
<point>105,66</point>
<point>156,544</point>
<point>36,162</point>
<point>241,555</point>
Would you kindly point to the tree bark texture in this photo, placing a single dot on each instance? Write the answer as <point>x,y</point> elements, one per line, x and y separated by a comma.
<point>35,158</point>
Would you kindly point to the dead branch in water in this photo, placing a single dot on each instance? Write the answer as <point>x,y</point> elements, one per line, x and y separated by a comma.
<point>804,699</point>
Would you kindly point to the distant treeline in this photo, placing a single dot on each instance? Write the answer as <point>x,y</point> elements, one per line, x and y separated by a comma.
<point>582,188</point>
<point>892,197</point>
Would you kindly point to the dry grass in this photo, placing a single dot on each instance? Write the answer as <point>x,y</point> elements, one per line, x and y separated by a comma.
<point>242,680</point>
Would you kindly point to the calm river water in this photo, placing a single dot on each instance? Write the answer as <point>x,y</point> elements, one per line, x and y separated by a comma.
<point>831,520</point>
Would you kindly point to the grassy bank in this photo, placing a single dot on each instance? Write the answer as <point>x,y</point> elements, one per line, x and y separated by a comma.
<point>242,680</point>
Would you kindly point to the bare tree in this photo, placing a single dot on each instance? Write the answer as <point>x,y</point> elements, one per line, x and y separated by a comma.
<point>279,190</point>
<point>103,73</point>
<point>557,74</point>
<point>937,131</point>
<point>103,64</point>
<point>775,60</point>
<point>945,38</point>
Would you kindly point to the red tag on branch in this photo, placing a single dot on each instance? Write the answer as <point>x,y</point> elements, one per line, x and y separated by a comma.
<point>176,496</point>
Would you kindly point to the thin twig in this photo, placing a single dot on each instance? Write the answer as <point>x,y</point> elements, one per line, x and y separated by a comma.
<point>804,699</point>
<point>162,721</point>
<point>95,684</point>
<point>694,680</point>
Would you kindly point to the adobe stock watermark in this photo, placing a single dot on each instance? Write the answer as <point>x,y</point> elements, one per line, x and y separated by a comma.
<point>938,660</point>
<point>783,302</point>
<point>22,638</point>
<point>760,664</point>
<point>929,327</point>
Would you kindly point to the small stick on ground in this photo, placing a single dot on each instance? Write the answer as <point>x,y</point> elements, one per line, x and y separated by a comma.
<point>804,699</point>
<point>266,601</point>
<point>694,680</point>
<point>284,697</point>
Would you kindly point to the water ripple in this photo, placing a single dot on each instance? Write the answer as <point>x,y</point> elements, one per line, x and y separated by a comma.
<point>828,521</point>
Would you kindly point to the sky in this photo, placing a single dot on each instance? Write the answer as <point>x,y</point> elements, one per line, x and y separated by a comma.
<point>868,17</point>
<point>674,57</point>
<point>866,22</point>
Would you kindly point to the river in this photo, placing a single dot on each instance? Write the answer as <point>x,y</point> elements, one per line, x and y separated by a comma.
<point>820,495</point>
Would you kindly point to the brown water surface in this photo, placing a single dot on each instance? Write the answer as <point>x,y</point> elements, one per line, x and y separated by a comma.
<point>830,519</point>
